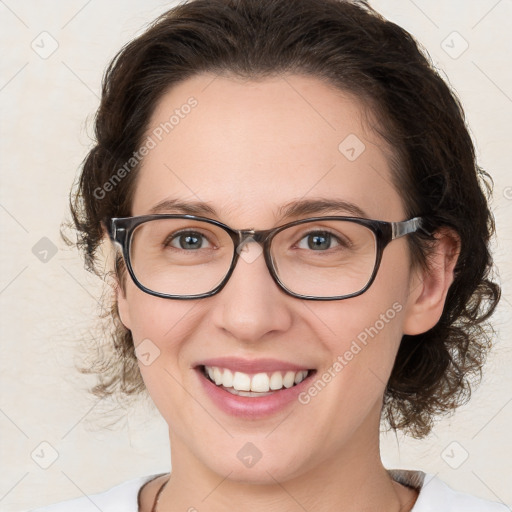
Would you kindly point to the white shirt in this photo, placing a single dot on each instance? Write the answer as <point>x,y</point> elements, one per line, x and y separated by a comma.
<point>434,496</point>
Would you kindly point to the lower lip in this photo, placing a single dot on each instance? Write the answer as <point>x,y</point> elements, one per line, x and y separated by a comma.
<point>252,407</point>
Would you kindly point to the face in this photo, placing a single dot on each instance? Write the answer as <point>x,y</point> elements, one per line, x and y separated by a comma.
<point>246,149</point>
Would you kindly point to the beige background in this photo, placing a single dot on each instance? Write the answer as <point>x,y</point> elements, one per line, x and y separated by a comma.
<point>47,308</point>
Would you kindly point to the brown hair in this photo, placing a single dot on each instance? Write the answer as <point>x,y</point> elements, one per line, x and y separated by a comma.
<point>350,46</point>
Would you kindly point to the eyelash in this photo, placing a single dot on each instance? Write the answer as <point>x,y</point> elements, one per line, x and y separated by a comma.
<point>167,242</point>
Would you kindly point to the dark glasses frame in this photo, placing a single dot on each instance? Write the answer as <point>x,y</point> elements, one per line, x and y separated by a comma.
<point>120,230</point>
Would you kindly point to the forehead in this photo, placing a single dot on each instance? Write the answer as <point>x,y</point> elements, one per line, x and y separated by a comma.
<point>248,147</point>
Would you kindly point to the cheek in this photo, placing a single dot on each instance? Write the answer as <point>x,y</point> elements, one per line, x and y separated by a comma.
<point>154,318</point>
<point>360,337</point>
<point>160,330</point>
<point>363,334</point>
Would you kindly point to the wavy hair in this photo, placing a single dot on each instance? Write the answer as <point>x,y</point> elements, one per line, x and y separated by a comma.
<point>352,47</point>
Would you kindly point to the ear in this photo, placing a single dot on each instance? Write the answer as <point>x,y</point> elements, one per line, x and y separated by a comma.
<point>117,277</point>
<point>123,305</point>
<point>428,287</point>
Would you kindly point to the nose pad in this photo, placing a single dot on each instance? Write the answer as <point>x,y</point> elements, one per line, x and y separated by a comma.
<point>248,251</point>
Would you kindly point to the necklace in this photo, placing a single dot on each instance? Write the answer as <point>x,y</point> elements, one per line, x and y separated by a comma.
<point>157,497</point>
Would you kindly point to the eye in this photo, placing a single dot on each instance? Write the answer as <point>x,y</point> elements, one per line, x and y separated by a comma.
<point>319,241</point>
<point>187,240</point>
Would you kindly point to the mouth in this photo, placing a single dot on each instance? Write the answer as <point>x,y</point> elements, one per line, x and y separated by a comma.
<point>253,389</point>
<point>254,385</point>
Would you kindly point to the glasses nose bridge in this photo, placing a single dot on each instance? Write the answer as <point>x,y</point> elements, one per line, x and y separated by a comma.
<point>245,236</point>
<point>253,235</point>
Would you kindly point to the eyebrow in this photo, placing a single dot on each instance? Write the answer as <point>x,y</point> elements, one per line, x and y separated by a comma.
<point>291,209</point>
<point>320,205</point>
<point>188,207</point>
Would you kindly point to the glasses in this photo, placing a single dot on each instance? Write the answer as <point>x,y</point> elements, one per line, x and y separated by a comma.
<point>191,257</point>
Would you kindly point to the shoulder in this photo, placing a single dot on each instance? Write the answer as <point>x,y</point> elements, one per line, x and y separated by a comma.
<point>436,495</point>
<point>120,498</point>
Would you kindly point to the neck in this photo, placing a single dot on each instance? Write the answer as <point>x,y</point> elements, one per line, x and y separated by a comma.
<point>353,479</point>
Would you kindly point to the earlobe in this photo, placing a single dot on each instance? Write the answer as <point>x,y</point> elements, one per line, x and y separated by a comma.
<point>429,287</point>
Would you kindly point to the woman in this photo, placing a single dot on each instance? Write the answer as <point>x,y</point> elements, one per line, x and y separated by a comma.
<point>301,240</point>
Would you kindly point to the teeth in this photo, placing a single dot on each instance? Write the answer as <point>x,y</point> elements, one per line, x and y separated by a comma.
<point>247,393</point>
<point>258,383</point>
<point>227,379</point>
<point>298,378</point>
<point>217,376</point>
<point>276,381</point>
<point>241,381</point>
<point>289,379</point>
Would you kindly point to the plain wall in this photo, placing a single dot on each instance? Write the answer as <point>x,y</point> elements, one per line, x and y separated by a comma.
<point>48,302</point>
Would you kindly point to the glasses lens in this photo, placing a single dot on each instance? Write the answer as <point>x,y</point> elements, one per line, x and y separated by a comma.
<point>326,258</point>
<point>180,256</point>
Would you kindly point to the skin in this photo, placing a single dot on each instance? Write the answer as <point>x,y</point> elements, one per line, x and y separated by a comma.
<point>246,149</point>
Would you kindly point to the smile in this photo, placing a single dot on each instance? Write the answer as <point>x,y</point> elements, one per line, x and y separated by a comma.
<point>259,384</point>
<point>261,391</point>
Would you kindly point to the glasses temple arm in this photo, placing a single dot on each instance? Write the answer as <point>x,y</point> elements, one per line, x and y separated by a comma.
<point>399,229</point>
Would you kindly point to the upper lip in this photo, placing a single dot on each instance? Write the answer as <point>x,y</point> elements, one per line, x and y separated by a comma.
<point>251,365</point>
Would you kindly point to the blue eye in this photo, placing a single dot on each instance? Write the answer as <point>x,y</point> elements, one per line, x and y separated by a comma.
<point>186,240</point>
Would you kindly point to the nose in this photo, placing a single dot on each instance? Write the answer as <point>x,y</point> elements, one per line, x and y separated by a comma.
<point>251,305</point>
